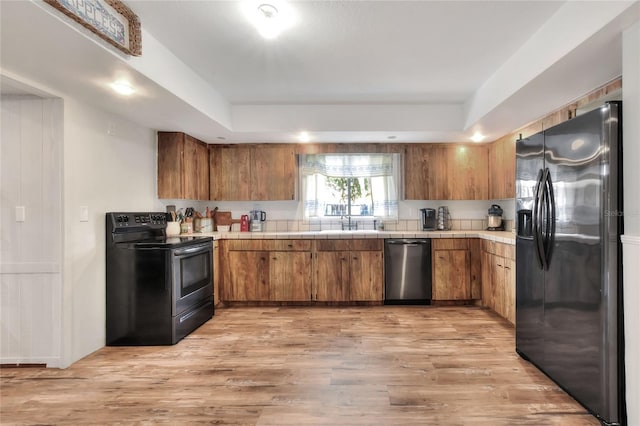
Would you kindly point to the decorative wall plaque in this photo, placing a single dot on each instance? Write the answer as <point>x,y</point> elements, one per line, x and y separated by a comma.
<point>110,19</point>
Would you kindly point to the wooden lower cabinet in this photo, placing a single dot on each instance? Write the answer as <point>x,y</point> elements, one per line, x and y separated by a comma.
<point>349,271</point>
<point>217,273</point>
<point>332,276</point>
<point>455,269</point>
<point>285,270</point>
<point>498,279</point>
<point>510,290</point>
<point>267,270</point>
<point>451,278</point>
<point>290,276</point>
<point>248,276</point>
<point>366,280</point>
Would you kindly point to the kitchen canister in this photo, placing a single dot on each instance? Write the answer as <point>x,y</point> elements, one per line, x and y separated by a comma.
<point>173,229</point>
<point>443,218</point>
<point>186,227</point>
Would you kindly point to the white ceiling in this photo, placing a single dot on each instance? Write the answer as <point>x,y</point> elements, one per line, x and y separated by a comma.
<point>348,71</point>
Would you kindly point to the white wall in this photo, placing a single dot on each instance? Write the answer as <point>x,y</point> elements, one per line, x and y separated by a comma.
<point>59,155</point>
<point>631,238</point>
<point>31,249</point>
<point>109,165</point>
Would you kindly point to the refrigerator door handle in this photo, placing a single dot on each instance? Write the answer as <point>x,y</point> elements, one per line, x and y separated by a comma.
<point>550,226</point>
<point>537,224</point>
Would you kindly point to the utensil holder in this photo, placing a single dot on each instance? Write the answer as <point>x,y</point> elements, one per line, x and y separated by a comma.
<point>172,229</point>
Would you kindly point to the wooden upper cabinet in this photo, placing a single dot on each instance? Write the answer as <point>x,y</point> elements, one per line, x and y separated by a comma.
<point>273,173</point>
<point>183,172</point>
<point>467,172</point>
<point>446,172</point>
<point>249,172</point>
<point>502,169</point>
<point>229,172</point>
<point>416,172</point>
<point>170,155</point>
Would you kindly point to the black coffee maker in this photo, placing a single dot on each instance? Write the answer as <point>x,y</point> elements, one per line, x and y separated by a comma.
<point>428,219</point>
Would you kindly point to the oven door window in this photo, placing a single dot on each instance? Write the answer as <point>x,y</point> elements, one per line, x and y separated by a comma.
<point>195,272</point>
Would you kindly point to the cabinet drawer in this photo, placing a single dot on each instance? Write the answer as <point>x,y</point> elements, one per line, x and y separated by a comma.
<point>333,245</point>
<point>449,244</point>
<point>505,250</point>
<point>366,245</point>
<point>372,244</point>
<point>243,245</point>
<point>286,245</point>
<point>488,246</point>
<point>269,245</point>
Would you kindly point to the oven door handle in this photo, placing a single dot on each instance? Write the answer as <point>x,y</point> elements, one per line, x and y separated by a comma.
<point>190,250</point>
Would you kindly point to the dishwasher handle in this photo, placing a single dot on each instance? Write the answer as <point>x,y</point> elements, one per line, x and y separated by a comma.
<point>412,243</point>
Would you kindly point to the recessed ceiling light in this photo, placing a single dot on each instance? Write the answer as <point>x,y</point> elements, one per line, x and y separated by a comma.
<point>222,138</point>
<point>477,137</point>
<point>123,87</point>
<point>304,137</point>
<point>391,137</point>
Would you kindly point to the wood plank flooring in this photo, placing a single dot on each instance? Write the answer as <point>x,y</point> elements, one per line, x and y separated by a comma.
<point>379,365</point>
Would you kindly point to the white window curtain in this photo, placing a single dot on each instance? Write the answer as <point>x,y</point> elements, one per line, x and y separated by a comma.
<point>382,169</point>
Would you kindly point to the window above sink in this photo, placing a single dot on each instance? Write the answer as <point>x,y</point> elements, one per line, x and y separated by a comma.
<point>350,185</point>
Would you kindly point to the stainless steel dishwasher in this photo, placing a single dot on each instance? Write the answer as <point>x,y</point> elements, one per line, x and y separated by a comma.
<point>407,271</point>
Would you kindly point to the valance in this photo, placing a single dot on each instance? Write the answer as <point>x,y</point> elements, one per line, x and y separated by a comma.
<point>348,165</point>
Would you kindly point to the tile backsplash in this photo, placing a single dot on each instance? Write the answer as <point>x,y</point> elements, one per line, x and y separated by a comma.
<point>400,225</point>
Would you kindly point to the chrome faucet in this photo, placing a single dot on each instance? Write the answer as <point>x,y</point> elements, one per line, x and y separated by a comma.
<point>350,226</point>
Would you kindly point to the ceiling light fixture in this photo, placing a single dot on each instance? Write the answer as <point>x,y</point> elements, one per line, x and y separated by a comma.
<point>477,137</point>
<point>270,19</point>
<point>123,87</point>
<point>304,137</point>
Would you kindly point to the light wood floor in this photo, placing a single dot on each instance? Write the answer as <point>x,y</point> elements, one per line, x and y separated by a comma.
<point>298,366</point>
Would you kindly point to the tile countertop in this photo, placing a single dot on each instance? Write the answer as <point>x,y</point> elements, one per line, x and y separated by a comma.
<point>506,237</point>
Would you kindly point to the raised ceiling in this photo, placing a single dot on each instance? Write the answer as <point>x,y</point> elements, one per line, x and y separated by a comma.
<point>347,71</point>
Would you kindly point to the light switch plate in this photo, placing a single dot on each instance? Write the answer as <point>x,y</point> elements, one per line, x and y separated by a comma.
<point>20,214</point>
<point>84,214</point>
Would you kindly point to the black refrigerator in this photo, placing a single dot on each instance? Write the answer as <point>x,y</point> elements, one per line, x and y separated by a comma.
<point>569,320</point>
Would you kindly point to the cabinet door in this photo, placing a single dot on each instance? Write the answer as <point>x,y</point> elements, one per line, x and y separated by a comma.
<point>487,276</point>
<point>416,172</point>
<point>202,171</point>
<point>248,276</point>
<point>502,167</point>
<point>290,276</point>
<point>451,279</point>
<point>273,175</point>
<point>510,290</point>
<point>467,173</point>
<point>170,152</point>
<point>229,173</point>
<point>332,276</point>
<point>190,168</point>
<point>217,273</point>
<point>497,285</point>
<point>365,280</point>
